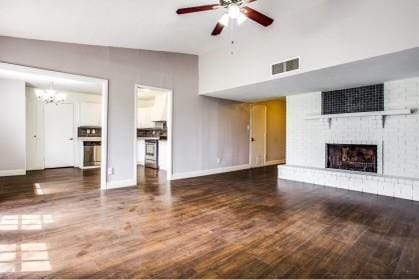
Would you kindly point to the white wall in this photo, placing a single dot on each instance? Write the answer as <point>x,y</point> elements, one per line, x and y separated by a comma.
<point>12,128</point>
<point>306,139</point>
<point>35,124</point>
<point>325,34</point>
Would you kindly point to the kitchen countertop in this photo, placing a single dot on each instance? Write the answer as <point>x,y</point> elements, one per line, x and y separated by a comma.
<point>151,138</point>
<point>89,139</point>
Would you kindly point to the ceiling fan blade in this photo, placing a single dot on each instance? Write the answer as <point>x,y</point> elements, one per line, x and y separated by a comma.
<point>256,16</point>
<point>197,9</point>
<point>218,29</point>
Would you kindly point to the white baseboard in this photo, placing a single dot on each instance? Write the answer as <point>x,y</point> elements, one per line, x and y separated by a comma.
<point>121,184</point>
<point>269,163</point>
<point>35,169</point>
<point>89,167</point>
<point>207,172</point>
<point>275,162</point>
<point>16,172</point>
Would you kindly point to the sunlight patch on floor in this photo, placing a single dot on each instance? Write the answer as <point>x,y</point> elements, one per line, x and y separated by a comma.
<point>24,222</point>
<point>25,257</point>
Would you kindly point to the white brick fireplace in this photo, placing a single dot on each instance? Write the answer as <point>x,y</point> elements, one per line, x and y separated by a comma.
<point>396,136</point>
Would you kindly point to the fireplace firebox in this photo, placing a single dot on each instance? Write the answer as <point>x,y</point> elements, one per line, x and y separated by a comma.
<point>352,157</point>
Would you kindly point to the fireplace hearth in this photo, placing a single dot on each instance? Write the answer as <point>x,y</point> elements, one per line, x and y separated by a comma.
<point>352,157</point>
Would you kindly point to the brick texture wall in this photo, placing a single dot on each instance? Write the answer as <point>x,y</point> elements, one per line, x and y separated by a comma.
<point>306,139</point>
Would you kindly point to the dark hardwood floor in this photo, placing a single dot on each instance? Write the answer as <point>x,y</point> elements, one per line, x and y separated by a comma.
<point>247,224</point>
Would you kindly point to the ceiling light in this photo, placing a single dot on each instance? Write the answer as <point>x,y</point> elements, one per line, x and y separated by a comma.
<point>241,18</point>
<point>224,20</point>
<point>233,11</point>
<point>50,96</point>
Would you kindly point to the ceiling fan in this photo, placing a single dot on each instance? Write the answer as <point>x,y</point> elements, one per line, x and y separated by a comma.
<point>235,9</point>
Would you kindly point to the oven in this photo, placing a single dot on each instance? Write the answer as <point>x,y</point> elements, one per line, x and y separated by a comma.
<point>92,153</point>
<point>152,153</point>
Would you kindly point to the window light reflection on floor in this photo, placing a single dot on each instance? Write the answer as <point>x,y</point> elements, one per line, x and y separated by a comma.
<point>25,257</point>
<point>24,222</point>
<point>37,188</point>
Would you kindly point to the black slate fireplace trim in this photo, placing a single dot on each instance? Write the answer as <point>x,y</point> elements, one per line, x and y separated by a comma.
<point>369,170</point>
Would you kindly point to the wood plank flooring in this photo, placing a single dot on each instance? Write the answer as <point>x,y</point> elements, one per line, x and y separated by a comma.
<point>247,224</point>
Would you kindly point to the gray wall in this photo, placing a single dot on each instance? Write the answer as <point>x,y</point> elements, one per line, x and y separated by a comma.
<point>12,126</point>
<point>195,129</point>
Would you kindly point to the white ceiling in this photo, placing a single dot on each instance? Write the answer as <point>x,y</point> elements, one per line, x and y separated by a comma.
<point>141,24</point>
<point>395,66</point>
<point>43,81</point>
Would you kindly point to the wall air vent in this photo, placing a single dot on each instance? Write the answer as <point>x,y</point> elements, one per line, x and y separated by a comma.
<point>286,66</point>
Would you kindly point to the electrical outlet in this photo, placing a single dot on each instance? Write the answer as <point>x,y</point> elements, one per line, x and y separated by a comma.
<point>111,171</point>
<point>218,160</point>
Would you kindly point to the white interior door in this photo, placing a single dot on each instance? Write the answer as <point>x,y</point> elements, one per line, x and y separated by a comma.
<point>59,138</point>
<point>34,133</point>
<point>258,135</point>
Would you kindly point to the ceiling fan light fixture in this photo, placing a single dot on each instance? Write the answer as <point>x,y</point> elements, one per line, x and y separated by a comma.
<point>234,11</point>
<point>224,20</point>
<point>237,10</point>
<point>241,18</point>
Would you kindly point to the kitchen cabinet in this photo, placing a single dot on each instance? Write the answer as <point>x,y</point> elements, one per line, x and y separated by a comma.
<point>160,108</point>
<point>141,151</point>
<point>90,114</point>
<point>163,155</point>
<point>146,116</point>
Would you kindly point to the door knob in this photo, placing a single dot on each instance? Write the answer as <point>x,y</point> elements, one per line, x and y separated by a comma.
<point>253,139</point>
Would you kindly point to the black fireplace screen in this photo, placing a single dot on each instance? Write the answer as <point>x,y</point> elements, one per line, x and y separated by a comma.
<point>352,157</point>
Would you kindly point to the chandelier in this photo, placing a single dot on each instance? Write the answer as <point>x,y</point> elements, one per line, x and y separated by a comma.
<point>50,96</point>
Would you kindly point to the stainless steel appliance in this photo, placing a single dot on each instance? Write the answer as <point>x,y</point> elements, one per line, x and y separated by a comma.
<point>152,153</point>
<point>92,153</point>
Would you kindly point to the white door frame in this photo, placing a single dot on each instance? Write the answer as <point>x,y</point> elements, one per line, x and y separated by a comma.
<point>13,68</point>
<point>169,129</point>
<point>251,134</point>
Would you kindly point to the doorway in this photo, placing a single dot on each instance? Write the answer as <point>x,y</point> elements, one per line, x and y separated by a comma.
<point>58,122</point>
<point>153,133</point>
<point>267,143</point>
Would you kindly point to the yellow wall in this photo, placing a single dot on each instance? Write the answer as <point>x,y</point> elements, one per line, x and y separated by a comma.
<point>276,130</point>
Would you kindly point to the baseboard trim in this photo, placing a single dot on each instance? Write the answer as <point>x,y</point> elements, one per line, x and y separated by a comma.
<point>16,172</point>
<point>200,173</point>
<point>275,162</point>
<point>121,184</point>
